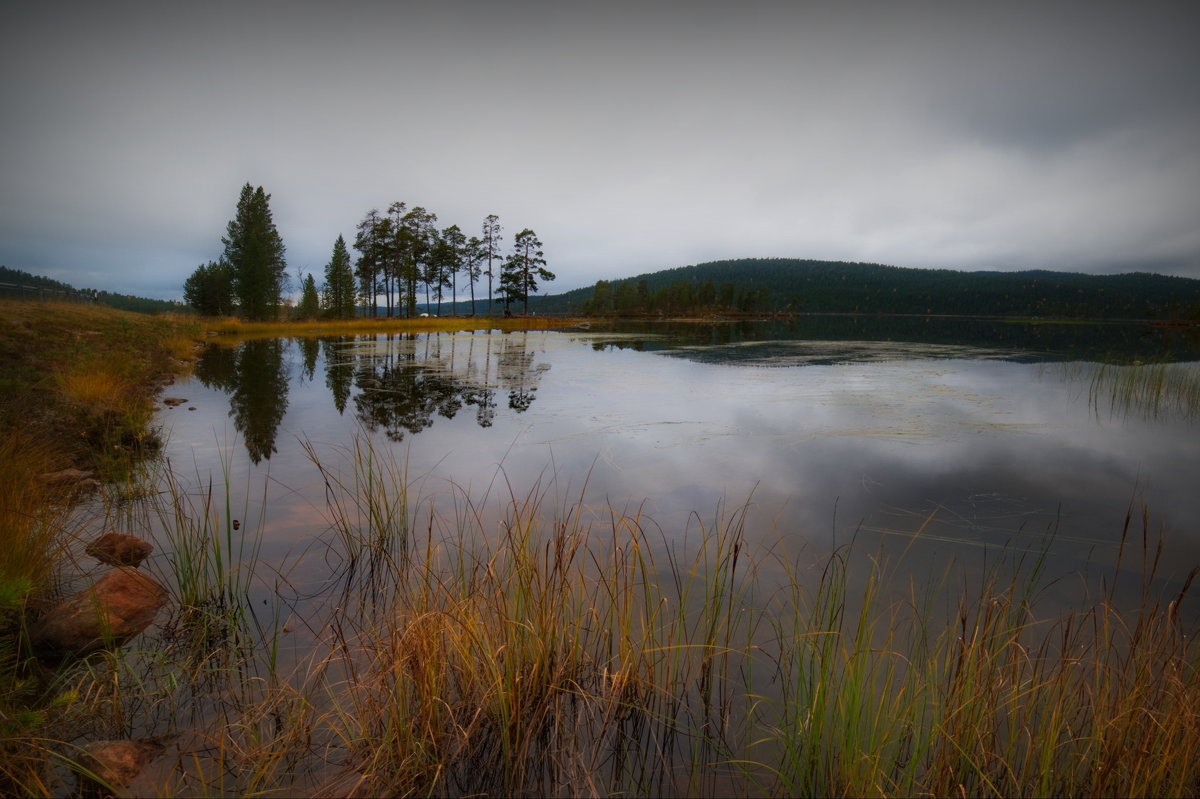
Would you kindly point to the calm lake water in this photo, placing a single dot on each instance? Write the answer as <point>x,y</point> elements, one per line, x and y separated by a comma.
<point>948,441</point>
<point>939,448</point>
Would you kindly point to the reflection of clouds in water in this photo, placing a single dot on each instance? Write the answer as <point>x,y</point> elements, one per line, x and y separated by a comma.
<point>998,452</point>
<point>784,353</point>
<point>898,436</point>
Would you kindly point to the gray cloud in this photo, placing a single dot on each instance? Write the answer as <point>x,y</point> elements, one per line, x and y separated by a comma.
<point>630,136</point>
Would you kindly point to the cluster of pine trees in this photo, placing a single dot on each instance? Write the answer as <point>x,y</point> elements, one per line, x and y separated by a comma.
<point>251,272</point>
<point>407,260</point>
<point>403,259</point>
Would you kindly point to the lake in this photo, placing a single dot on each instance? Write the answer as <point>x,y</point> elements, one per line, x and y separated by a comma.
<point>977,434</point>
<point>714,502</point>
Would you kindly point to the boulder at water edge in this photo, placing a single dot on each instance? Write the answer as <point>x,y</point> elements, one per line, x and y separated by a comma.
<point>121,604</point>
<point>112,765</point>
<point>119,549</point>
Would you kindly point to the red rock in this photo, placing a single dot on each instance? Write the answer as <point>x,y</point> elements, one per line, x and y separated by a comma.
<point>119,549</point>
<point>112,765</point>
<point>121,604</point>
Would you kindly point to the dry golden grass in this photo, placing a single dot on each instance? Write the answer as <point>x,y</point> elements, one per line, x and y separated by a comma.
<point>230,326</point>
<point>83,376</point>
<point>96,388</point>
<point>30,540</point>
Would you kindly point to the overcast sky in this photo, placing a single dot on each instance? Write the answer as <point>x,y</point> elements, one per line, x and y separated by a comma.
<point>630,136</point>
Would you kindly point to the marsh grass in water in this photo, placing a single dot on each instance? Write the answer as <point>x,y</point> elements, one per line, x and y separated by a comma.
<point>1149,390</point>
<point>364,508</point>
<point>526,643</point>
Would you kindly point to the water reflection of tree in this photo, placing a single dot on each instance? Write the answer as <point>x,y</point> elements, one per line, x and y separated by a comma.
<point>484,400</point>
<point>254,376</point>
<point>216,367</point>
<point>416,378</point>
<point>401,396</point>
<point>517,372</point>
<point>483,397</point>
<point>339,371</point>
<point>309,349</point>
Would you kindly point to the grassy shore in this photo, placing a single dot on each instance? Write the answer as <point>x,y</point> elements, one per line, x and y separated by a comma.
<point>77,384</point>
<point>367,325</point>
<point>565,650</point>
<point>77,389</point>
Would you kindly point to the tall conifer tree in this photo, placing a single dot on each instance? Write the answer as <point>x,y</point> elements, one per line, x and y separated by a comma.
<point>254,250</point>
<point>310,303</point>
<point>472,256</point>
<point>523,269</point>
<point>210,289</point>
<point>339,283</point>
<point>368,243</point>
<point>420,239</point>
<point>491,250</point>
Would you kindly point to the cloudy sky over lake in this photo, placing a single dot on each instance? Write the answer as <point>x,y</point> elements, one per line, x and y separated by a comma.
<point>630,136</point>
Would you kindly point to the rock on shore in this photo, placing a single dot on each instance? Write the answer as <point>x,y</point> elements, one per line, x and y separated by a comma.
<point>121,604</point>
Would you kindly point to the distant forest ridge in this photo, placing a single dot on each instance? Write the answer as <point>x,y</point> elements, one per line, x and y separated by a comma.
<point>792,285</point>
<point>57,290</point>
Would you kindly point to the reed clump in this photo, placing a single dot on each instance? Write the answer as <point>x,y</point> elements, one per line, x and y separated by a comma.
<point>1148,390</point>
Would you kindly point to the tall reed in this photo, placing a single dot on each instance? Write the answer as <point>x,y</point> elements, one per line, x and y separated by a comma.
<point>1149,390</point>
<point>1001,701</point>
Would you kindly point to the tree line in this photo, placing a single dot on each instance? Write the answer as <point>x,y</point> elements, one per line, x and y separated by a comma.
<point>788,285</point>
<point>20,279</point>
<point>678,297</point>
<point>403,260</point>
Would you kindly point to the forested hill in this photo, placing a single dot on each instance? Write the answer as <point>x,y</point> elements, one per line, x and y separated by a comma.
<point>20,284</point>
<point>797,285</point>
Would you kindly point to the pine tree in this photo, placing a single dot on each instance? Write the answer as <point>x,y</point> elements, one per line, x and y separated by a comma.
<point>254,250</point>
<point>523,269</point>
<point>371,250</point>
<point>449,253</point>
<point>339,283</point>
<point>472,258</point>
<point>419,239</point>
<point>310,303</point>
<point>210,289</point>
<point>491,250</point>
<point>395,241</point>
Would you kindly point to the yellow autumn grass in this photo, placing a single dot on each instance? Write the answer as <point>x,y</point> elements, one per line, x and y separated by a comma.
<point>96,388</point>
<point>29,531</point>
<point>230,326</point>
